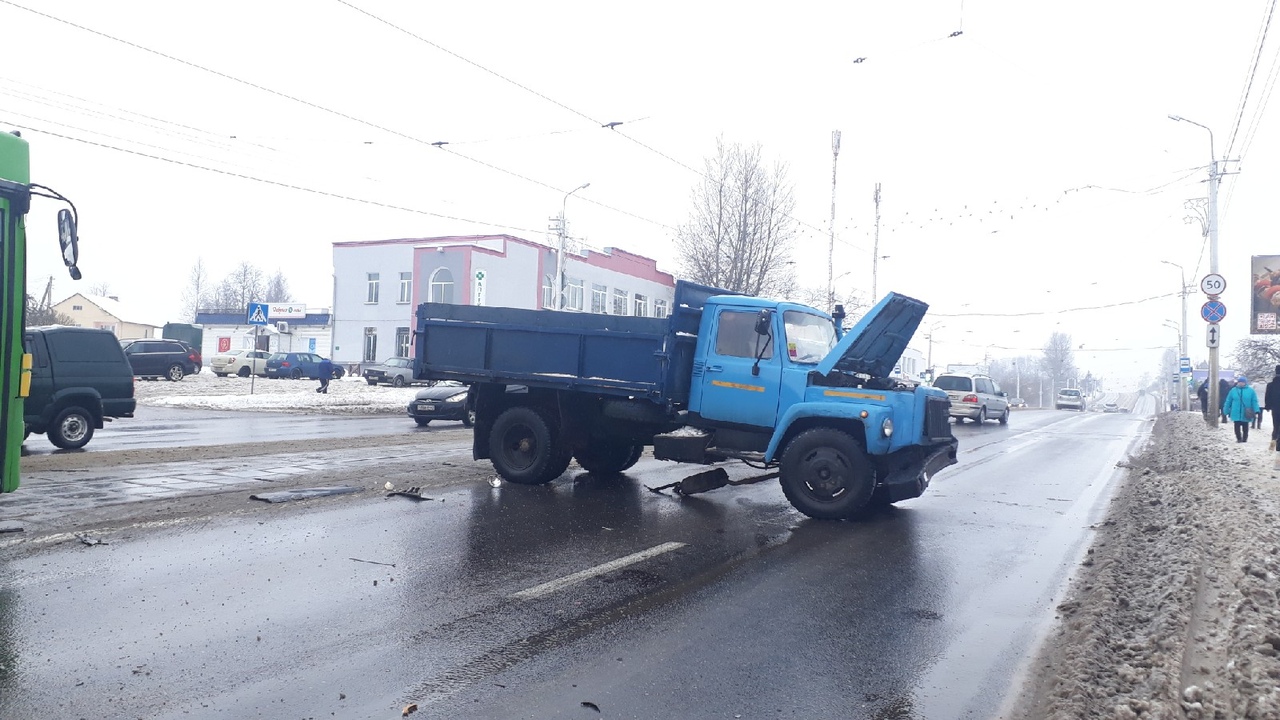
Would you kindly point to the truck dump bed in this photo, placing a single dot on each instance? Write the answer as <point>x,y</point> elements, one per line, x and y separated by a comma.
<point>608,354</point>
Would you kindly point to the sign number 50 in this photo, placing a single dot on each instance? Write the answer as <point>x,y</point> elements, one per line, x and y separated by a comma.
<point>1213,284</point>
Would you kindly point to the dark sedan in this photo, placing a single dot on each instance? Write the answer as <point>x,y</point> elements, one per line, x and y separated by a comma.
<point>445,400</point>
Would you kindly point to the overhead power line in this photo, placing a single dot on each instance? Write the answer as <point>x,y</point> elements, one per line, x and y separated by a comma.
<point>1056,312</point>
<point>266,181</point>
<point>1253,71</point>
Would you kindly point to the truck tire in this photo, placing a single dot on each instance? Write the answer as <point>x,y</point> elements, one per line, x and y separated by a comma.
<point>607,457</point>
<point>524,447</point>
<point>72,428</point>
<point>826,475</point>
<point>636,452</point>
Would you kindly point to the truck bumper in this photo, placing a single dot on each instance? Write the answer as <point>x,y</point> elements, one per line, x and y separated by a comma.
<point>906,473</point>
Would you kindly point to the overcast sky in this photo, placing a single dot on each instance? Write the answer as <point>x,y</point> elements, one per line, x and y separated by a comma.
<point>1027,163</point>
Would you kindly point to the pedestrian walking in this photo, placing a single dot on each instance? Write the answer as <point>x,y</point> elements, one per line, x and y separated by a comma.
<point>1241,405</point>
<point>1203,394</point>
<point>1223,388</point>
<point>1271,401</point>
<point>326,372</point>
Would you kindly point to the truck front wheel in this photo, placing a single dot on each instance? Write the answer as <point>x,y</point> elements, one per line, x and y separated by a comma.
<point>524,447</point>
<point>604,457</point>
<point>826,474</point>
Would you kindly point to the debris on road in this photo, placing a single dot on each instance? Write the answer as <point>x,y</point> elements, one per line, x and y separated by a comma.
<point>413,493</point>
<point>6,527</point>
<point>589,704</point>
<point>86,540</point>
<point>303,493</point>
<point>373,562</point>
<point>409,710</point>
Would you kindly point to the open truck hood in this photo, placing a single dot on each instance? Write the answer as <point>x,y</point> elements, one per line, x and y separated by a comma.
<point>875,344</point>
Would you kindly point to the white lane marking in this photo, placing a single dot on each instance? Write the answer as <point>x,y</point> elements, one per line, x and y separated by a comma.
<point>547,588</point>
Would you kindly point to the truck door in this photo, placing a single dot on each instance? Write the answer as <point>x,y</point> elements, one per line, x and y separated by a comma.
<point>730,392</point>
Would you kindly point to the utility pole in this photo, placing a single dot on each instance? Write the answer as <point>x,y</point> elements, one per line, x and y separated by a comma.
<point>875,255</point>
<point>831,244</point>
<point>558,300</point>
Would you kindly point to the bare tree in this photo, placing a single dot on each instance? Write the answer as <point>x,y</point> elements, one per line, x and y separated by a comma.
<point>853,300</point>
<point>196,294</point>
<point>277,289</point>
<point>101,289</point>
<point>39,314</point>
<point>240,287</point>
<point>1257,357</point>
<point>740,230</point>
<point>1059,359</point>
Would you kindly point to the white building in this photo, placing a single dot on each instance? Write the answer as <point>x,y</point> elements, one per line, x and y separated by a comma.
<point>292,328</point>
<point>911,365</point>
<point>378,284</point>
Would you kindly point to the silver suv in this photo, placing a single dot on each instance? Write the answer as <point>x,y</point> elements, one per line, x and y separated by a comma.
<point>1070,399</point>
<point>974,397</point>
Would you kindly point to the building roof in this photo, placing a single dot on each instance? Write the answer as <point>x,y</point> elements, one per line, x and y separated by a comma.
<point>132,313</point>
<point>219,318</point>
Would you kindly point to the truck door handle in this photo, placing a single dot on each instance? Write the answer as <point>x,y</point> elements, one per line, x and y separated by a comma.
<point>715,368</point>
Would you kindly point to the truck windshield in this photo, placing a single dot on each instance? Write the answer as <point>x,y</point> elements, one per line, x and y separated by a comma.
<point>809,337</point>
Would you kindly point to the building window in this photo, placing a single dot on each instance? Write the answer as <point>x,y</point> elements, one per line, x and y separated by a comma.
<point>619,302</point>
<point>442,286</point>
<point>402,342</point>
<point>371,344</point>
<point>76,307</point>
<point>659,308</point>
<point>372,296</point>
<point>548,293</point>
<point>642,306</point>
<point>573,294</point>
<point>599,299</point>
<point>406,287</point>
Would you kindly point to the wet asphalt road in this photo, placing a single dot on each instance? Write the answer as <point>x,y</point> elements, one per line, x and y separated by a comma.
<point>528,602</point>
<point>159,427</point>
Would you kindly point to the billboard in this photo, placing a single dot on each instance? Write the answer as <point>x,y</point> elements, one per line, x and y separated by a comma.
<point>1264,293</point>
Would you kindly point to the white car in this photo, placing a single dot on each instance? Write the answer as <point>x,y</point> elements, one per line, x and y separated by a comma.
<point>240,362</point>
<point>1070,399</point>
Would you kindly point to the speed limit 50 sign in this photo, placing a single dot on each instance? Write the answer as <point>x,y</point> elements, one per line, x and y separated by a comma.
<point>1213,284</point>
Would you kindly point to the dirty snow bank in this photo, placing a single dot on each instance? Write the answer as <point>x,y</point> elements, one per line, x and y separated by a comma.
<point>1176,610</point>
<point>348,396</point>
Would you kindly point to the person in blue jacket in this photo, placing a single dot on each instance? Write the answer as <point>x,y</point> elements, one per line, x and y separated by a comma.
<point>325,371</point>
<point>1241,405</point>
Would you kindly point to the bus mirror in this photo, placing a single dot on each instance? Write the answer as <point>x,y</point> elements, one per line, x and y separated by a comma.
<point>70,242</point>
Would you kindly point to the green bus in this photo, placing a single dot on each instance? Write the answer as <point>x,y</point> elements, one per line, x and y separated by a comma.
<point>16,190</point>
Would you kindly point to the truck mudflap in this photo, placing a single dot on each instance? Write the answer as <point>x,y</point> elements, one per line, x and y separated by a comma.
<point>906,474</point>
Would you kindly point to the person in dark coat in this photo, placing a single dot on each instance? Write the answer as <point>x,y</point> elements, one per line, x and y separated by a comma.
<point>1271,401</point>
<point>1224,387</point>
<point>1203,394</point>
<point>325,371</point>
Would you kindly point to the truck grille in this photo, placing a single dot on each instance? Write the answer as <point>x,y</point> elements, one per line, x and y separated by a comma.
<point>937,418</point>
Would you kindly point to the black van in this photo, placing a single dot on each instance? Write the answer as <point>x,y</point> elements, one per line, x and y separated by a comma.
<point>80,378</point>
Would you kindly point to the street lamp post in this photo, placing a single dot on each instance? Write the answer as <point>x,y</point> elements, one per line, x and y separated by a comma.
<point>559,301</point>
<point>1213,258</point>
<point>1183,398</point>
<point>1179,343</point>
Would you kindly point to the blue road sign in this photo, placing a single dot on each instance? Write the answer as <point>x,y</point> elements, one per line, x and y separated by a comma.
<point>1213,311</point>
<point>257,314</point>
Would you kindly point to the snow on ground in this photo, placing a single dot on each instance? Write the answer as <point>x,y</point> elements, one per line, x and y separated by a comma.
<point>1175,612</point>
<point>348,396</point>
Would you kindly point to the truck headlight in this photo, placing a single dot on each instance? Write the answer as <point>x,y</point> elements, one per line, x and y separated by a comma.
<point>886,428</point>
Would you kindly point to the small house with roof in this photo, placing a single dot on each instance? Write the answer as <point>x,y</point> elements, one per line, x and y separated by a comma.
<point>125,320</point>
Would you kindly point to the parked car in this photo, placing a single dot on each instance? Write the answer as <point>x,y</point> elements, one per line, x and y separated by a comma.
<point>1017,403</point>
<point>154,358</point>
<point>397,371</point>
<point>79,380</point>
<point>297,365</point>
<point>974,397</point>
<point>1070,399</point>
<point>240,362</point>
<point>446,400</point>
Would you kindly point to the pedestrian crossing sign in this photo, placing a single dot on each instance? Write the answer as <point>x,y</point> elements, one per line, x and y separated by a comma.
<point>257,314</point>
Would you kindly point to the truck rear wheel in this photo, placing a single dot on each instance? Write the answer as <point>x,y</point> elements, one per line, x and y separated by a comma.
<point>606,457</point>
<point>826,474</point>
<point>524,447</point>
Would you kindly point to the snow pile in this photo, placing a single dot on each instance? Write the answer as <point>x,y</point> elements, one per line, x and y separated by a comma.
<point>1176,610</point>
<point>348,396</point>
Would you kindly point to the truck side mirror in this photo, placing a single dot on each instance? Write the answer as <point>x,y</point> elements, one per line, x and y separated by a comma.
<point>763,321</point>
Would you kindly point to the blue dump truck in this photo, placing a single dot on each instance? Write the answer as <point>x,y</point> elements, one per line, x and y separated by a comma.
<point>777,385</point>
